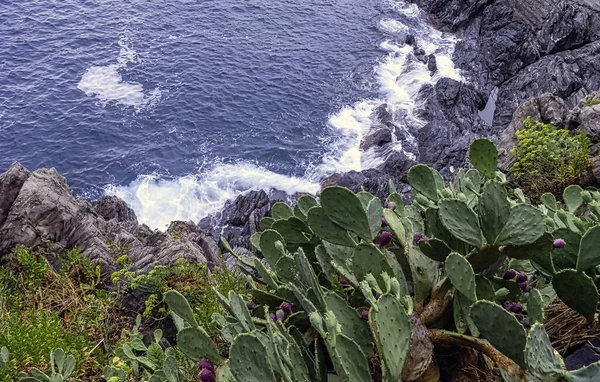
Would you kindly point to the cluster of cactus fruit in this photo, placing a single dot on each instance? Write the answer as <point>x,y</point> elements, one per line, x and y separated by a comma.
<point>360,289</point>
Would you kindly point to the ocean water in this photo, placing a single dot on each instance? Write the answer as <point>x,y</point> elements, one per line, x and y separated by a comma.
<point>177,106</point>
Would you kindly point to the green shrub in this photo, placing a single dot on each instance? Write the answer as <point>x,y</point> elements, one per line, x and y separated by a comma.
<point>593,99</point>
<point>548,159</point>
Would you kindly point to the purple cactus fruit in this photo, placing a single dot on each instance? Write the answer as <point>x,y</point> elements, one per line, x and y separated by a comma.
<point>273,317</point>
<point>280,315</point>
<point>255,301</point>
<point>206,364</point>
<point>417,237</point>
<point>207,376</point>
<point>507,305</point>
<point>516,308</point>
<point>364,314</point>
<point>559,243</point>
<point>367,304</point>
<point>286,307</point>
<point>344,282</point>
<point>510,274</point>
<point>377,295</point>
<point>523,286</point>
<point>521,278</point>
<point>384,239</point>
<point>116,338</point>
<point>527,290</point>
<point>141,329</point>
<point>248,286</point>
<point>425,239</point>
<point>384,223</point>
<point>422,213</point>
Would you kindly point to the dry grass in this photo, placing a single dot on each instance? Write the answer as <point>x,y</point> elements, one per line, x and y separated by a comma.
<point>567,328</point>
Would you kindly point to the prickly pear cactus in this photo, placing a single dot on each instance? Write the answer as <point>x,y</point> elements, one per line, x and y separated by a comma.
<point>484,156</point>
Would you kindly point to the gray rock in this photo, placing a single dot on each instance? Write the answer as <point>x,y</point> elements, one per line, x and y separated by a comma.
<point>588,120</point>
<point>10,183</point>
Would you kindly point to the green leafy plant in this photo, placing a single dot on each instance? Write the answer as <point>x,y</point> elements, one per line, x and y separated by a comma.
<point>61,368</point>
<point>593,99</point>
<point>548,159</point>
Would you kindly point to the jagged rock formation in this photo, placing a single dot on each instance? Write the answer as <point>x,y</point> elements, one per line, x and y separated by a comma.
<point>38,210</point>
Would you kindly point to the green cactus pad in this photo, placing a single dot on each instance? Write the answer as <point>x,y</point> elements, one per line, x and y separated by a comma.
<point>542,247</point>
<point>351,360</point>
<point>281,210</point>
<point>293,230</point>
<point>577,290</point>
<point>303,205</point>
<point>524,226</point>
<point>435,249</point>
<point>248,361</point>
<point>368,259</point>
<point>197,345</point>
<point>365,198</point>
<point>391,325</point>
<point>422,179</point>
<point>268,247</point>
<point>223,373</point>
<point>436,229</point>
<point>461,275</point>
<point>484,156</point>
<point>374,213</point>
<point>501,329</point>
<point>424,273</point>
<point>541,361</point>
<point>395,225</point>
<point>494,210</point>
<point>535,307</point>
<point>308,277</point>
<point>352,324</point>
<point>255,240</point>
<point>461,221</point>
<point>286,269</point>
<point>585,374</point>
<point>240,311</point>
<point>485,288</point>
<point>180,306</point>
<point>298,367</point>
<point>396,198</point>
<point>589,250</point>
<point>338,253</point>
<point>345,209</point>
<point>323,227</point>
<point>549,200</point>
<point>572,197</point>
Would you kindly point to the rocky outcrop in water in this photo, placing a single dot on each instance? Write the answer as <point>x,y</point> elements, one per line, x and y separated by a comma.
<point>38,210</point>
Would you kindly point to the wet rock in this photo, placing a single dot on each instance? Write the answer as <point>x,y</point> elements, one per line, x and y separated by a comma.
<point>378,136</point>
<point>432,64</point>
<point>10,184</point>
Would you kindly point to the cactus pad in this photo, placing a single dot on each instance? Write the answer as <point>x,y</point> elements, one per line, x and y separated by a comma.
<point>577,290</point>
<point>484,156</point>
<point>566,257</point>
<point>461,275</point>
<point>535,307</point>
<point>303,205</point>
<point>572,197</point>
<point>501,329</point>
<point>391,325</point>
<point>181,307</point>
<point>494,210</point>
<point>197,345</point>
<point>345,209</point>
<point>525,225</point>
<point>368,259</point>
<point>395,225</point>
<point>435,249</point>
<point>422,179</point>
<point>327,230</point>
<point>549,200</point>
<point>351,360</point>
<point>585,374</point>
<point>374,213</point>
<point>248,361</point>
<point>542,363</point>
<point>268,247</point>
<point>461,221</point>
<point>293,230</point>
<point>281,210</point>
<point>589,250</point>
<point>352,325</point>
<point>485,288</point>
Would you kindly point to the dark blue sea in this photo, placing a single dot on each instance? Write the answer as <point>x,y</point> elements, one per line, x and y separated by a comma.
<point>177,106</point>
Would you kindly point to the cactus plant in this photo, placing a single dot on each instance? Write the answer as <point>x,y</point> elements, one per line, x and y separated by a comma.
<point>484,156</point>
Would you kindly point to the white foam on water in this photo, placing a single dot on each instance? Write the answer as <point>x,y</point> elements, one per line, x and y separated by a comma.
<point>158,201</point>
<point>106,83</point>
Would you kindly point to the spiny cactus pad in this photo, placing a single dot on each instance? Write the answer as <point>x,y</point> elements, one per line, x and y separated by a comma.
<point>345,209</point>
<point>524,226</point>
<point>485,288</point>
<point>391,325</point>
<point>572,197</point>
<point>435,249</point>
<point>240,311</point>
<point>197,345</point>
<point>374,212</point>
<point>181,307</point>
<point>303,205</point>
<point>368,259</point>
<point>281,210</point>
<point>352,325</point>
<point>323,227</point>
<point>247,360</point>
<point>535,307</point>
<point>461,221</point>
<point>494,210</point>
<point>395,225</point>
<point>484,156</point>
<point>566,257</point>
<point>585,374</point>
<point>422,179</point>
<point>541,361</point>
<point>501,329</point>
<point>461,275</point>
<point>352,361</point>
<point>549,200</point>
<point>589,250</point>
<point>293,230</point>
<point>577,290</point>
<point>268,247</point>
